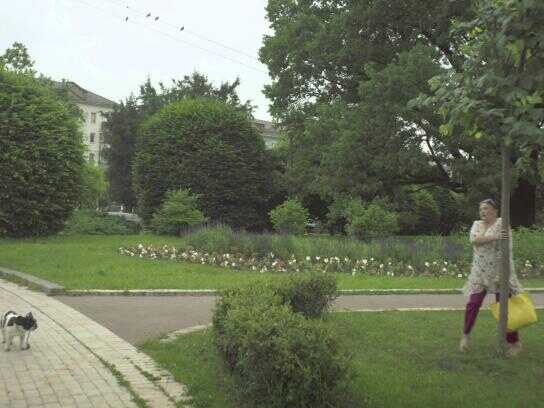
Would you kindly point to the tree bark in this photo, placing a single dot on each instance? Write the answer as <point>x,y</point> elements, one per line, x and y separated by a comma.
<point>505,247</point>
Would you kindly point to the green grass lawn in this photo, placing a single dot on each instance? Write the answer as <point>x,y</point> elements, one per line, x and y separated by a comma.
<point>92,262</point>
<point>400,359</point>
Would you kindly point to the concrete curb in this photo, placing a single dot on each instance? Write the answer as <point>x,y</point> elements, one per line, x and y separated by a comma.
<point>413,309</point>
<point>49,288</point>
<point>52,289</point>
<point>214,292</point>
<point>142,292</point>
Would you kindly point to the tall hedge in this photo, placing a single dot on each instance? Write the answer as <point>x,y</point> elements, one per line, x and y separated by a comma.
<point>211,148</point>
<point>41,157</point>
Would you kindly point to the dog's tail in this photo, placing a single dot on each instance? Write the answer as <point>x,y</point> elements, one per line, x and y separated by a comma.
<point>4,317</point>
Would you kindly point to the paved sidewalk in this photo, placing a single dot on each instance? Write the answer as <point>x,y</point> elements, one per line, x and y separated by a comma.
<point>64,366</point>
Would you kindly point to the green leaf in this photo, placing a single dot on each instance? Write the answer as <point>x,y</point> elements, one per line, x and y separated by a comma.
<point>446,129</point>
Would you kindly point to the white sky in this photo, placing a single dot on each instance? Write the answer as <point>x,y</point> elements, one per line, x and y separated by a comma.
<point>89,42</point>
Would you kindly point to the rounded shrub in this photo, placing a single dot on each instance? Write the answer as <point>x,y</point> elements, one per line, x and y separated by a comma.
<point>309,294</point>
<point>178,213</point>
<point>281,356</point>
<point>41,157</point>
<point>290,217</point>
<point>211,148</point>
<point>371,221</point>
<point>285,360</point>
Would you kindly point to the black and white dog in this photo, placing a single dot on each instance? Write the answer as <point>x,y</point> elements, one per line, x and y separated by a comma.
<point>13,325</point>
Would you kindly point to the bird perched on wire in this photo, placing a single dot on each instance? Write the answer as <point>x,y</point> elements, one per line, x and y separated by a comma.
<point>182,28</point>
<point>126,18</point>
<point>148,15</point>
<point>156,18</point>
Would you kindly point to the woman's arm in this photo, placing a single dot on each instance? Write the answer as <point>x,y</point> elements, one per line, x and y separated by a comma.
<point>478,238</point>
<point>484,239</point>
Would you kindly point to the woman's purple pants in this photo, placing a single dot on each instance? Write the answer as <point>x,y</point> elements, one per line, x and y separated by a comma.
<point>471,312</point>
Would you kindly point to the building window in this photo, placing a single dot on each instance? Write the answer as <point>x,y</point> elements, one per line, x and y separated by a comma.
<point>93,117</point>
<point>91,157</point>
<point>91,138</point>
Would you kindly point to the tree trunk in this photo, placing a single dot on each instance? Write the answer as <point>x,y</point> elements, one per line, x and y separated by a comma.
<point>505,247</point>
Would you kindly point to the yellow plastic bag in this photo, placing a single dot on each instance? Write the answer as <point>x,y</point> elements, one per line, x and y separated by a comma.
<point>521,311</point>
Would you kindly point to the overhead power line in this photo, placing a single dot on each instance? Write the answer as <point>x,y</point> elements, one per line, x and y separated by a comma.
<point>182,27</point>
<point>173,37</point>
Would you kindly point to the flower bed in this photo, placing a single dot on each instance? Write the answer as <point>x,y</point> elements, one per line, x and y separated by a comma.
<point>273,263</point>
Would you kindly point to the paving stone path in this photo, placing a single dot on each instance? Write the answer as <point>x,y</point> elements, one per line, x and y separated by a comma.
<point>70,360</point>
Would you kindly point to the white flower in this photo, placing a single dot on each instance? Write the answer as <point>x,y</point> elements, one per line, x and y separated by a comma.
<point>326,260</point>
<point>459,275</point>
<point>445,263</point>
<point>365,261</point>
<point>371,259</point>
<point>410,267</point>
<point>308,258</point>
<point>444,270</point>
<point>427,264</point>
<point>381,266</point>
<point>434,263</point>
<point>317,258</point>
<point>353,273</point>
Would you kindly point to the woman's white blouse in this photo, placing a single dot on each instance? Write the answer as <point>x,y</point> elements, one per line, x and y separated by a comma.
<point>486,261</point>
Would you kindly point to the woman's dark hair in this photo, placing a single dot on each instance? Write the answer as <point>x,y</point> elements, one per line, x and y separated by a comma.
<point>491,202</point>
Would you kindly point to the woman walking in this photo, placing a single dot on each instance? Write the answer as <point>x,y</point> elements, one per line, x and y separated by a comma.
<point>485,237</point>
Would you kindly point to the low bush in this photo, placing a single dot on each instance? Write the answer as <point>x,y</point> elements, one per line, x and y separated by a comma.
<point>290,217</point>
<point>282,358</point>
<point>244,297</point>
<point>285,360</point>
<point>370,221</point>
<point>309,294</point>
<point>178,213</point>
<point>96,223</point>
